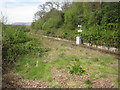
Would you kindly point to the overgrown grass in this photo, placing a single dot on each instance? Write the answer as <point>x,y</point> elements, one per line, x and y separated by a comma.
<point>62,55</point>
<point>32,68</point>
<point>36,57</point>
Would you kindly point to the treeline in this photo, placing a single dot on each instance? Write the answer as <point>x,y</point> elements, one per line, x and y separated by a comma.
<point>100,21</point>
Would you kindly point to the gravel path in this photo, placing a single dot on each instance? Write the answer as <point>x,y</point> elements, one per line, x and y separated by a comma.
<point>66,79</point>
<point>62,76</point>
<point>11,80</point>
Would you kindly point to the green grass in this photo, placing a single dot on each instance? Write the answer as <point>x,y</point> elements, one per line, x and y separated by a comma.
<point>72,84</point>
<point>55,84</point>
<point>116,82</point>
<point>61,55</point>
<point>32,68</point>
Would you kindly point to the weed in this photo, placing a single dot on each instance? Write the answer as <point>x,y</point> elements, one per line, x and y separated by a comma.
<point>76,69</point>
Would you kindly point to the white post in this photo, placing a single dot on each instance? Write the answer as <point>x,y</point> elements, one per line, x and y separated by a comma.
<point>78,38</point>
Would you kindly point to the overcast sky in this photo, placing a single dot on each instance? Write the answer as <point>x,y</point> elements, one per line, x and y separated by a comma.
<point>20,10</point>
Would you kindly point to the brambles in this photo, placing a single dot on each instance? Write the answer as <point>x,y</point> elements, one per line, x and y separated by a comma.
<point>16,42</point>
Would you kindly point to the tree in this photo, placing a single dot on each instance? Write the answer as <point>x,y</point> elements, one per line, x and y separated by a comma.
<point>3,18</point>
<point>66,6</point>
<point>43,9</point>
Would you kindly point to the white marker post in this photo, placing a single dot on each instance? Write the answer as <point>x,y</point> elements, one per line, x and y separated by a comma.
<point>79,38</point>
<point>80,30</point>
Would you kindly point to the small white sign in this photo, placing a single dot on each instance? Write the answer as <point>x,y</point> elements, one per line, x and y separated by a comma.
<point>79,30</point>
<point>79,25</point>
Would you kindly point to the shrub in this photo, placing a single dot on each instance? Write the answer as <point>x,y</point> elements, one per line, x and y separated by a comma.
<point>16,43</point>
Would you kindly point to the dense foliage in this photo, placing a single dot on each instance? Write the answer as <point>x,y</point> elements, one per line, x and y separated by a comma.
<point>100,22</point>
<point>17,43</point>
<point>52,20</point>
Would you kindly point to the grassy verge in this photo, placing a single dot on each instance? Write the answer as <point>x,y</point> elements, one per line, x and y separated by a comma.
<point>62,55</point>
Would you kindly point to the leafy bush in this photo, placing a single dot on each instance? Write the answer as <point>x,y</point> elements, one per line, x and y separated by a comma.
<point>15,34</point>
<point>52,19</point>
<point>16,50</point>
<point>76,69</point>
<point>16,43</point>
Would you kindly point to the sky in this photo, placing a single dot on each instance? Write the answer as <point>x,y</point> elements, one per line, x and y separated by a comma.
<point>20,10</point>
